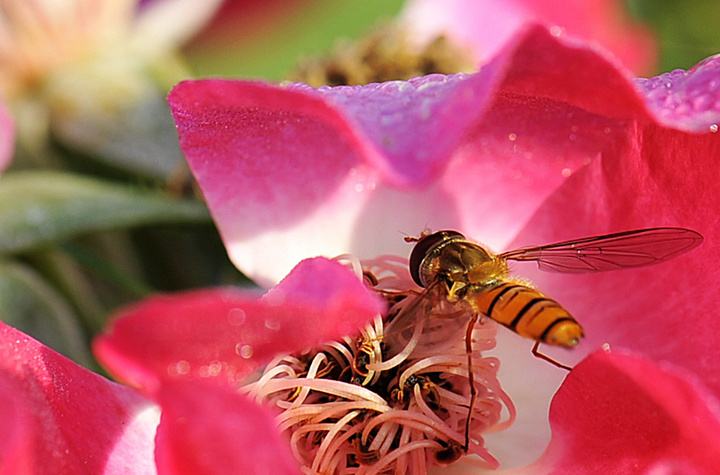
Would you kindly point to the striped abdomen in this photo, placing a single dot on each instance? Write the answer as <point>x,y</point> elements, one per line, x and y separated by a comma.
<point>527,312</point>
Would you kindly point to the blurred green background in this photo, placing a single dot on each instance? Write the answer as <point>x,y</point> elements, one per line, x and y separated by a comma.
<point>687,31</point>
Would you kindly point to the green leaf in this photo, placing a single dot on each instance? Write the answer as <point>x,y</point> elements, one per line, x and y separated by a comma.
<point>28,303</point>
<point>40,207</point>
<point>139,137</point>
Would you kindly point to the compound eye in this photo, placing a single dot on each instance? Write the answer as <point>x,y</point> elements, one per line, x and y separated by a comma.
<point>424,247</point>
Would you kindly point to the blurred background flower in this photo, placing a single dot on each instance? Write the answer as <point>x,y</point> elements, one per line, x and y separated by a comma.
<point>93,75</point>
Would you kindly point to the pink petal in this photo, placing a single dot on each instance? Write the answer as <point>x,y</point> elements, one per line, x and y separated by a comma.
<point>620,413</point>
<point>16,439</point>
<point>652,177</point>
<point>7,138</point>
<point>214,430</point>
<point>227,333</point>
<point>59,418</point>
<point>484,26</point>
<point>280,166</point>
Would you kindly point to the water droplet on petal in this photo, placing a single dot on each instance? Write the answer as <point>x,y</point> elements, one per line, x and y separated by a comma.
<point>182,367</point>
<point>713,128</point>
<point>556,30</point>
<point>512,136</point>
<point>244,351</point>
<point>272,324</point>
<point>566,172</point>
<point>214,368</point>
<point>236,316</point>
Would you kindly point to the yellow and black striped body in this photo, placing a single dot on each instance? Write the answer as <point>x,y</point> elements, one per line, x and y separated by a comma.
<point>470,273</point>
<point>527,312</point>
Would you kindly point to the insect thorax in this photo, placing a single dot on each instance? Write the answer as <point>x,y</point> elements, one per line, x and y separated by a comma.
<point>464,262</point>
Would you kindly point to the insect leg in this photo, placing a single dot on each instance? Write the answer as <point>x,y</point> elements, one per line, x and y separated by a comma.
<point>536,353</point>
<point>471,378</point>
<point>425,232</point>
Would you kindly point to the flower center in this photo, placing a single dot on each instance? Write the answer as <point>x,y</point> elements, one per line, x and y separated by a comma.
<point>395,398</point>
<point>386,54</point>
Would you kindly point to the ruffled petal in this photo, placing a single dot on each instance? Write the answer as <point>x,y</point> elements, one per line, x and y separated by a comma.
<point>227,333</point>
<point>621,413</point>
<point>484,26</point>
<point>279,166</point>
<point>214,430</point>
<point>60,418</point>
<point>651,177</point>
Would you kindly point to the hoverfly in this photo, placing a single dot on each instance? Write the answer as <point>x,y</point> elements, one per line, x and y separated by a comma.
<point>460,271</point>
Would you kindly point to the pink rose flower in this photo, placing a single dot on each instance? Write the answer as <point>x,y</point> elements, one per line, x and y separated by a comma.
<point>550,140</point>
<point>60,418</point>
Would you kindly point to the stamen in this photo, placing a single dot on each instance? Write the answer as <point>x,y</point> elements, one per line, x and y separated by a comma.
<point>386,53</point>
<point>396,397</point>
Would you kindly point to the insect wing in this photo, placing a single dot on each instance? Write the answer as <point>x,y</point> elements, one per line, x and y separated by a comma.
<point>636,248</point>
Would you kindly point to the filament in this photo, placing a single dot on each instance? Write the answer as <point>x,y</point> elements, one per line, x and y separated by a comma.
<point>395,397</point>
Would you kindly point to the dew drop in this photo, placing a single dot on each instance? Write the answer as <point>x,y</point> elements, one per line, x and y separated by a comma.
<point>606,347</point>
<point>272,324</point>
<point>181,367</point>
<point>512,136</point>
<point>702,102</point>
<point>386,120</point>
<point>236,316</point>
<point>566,172</point>
<point>426,109</point>
<point>244,351</point>
<point>214,368</point>
<point>556,30</point>
<point>713,128</point>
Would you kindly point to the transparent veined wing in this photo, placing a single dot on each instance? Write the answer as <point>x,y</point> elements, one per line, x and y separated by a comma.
<point>614,251</point>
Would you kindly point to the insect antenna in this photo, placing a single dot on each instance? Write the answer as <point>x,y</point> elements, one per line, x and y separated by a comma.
<point>471,378</point>
<point>536,353</point>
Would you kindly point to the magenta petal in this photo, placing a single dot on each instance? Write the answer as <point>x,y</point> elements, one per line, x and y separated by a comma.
<point>59,418</point>
<point>226,333</point>
<point>282,166</point>
<point>651,176</point>
<point>214,430</point>
<point>617,413</point>
<point>17,447</point>
<point>686,100</point>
